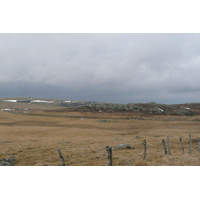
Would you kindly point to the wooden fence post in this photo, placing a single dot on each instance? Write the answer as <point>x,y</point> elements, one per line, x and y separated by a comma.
<point>61,157</point>
<point>181,143</point>
<point>190,138</point>
<point>109,153</point>
<point>145,148</point>
<point>164,145</point>
<point>168,142</point>
<point>199,145</point>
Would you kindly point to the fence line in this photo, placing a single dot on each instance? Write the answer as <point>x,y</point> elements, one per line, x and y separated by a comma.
<point>109,153</point>
<point>167,150</point>
<point>181,143</point>
<point>164,145</point>
<point>199,145</point>
<point>168,145</point>
<point>61,157</point>
<point>145,148</point>
<point>190,138</point>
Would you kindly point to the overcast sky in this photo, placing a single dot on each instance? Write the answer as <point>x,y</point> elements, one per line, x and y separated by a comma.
<point>118,68</point>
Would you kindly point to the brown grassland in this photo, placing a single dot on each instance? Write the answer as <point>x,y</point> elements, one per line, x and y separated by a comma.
<point>34,137</point>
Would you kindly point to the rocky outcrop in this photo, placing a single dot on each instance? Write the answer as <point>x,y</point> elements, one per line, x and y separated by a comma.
<point>148,108</point>
<point>8,161</point>
<point>75,103</point>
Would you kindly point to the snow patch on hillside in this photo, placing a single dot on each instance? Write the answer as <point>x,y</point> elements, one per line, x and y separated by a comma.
<point>41,101</point>
<point>10,100</point>
<point>7,109</point>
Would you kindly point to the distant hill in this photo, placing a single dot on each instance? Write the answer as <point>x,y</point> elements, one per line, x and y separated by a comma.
<point>187,109</point>
<point>45,103</point>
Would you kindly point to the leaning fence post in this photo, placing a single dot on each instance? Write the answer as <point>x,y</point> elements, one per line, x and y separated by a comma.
<point>181,143</point>
<point>164,145</point>
<point>199,145</point>
<point>190,138</point>
<point>168,142</point>
<point>145,148</point>
<point>61,157</point>
<point>109,153</point>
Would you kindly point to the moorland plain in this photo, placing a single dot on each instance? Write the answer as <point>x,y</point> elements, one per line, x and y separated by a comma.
<point>33,132</point>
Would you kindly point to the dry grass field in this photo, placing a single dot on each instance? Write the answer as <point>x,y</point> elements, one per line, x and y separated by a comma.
<point>34,136</point>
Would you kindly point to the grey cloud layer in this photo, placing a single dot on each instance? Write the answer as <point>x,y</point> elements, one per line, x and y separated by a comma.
<point>137,66</point>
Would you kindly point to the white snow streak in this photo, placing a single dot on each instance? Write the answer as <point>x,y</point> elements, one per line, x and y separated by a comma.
<point>41,101</point>
<point>10,100</point>
<point>7,109</point>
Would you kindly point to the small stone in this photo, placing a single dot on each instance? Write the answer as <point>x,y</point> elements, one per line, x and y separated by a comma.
<point>137,137</point>
<point>122,146</point>
<point>65,142</point>
<point>103,121</point>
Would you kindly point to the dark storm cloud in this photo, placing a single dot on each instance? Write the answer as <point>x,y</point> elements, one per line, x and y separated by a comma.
<point>104,67</point>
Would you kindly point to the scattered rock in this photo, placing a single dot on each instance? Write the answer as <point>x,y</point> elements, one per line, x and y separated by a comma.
<point>8,161</point>
<point>65,142</point>
<point>123,146</point>
<point>136,118</point>
<point>137,137</point>
<point>103,121</point>
<point>6,142</point>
